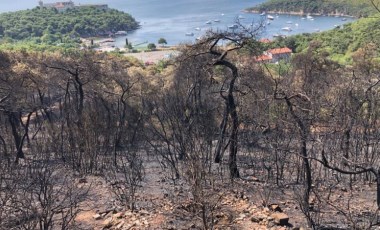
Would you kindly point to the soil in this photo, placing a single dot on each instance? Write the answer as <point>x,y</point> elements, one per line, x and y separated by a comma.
<point>246,203</point>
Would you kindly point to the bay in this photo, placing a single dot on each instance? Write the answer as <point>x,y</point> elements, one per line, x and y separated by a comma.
<point>182,21</point>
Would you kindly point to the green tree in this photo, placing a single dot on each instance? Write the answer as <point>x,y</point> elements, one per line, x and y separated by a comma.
<point>151,46</point>
<point>162,41</point>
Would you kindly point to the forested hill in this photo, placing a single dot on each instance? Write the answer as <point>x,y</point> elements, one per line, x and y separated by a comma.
<point>342,44</point>
<point>358,8</point>
<point>48,24</point>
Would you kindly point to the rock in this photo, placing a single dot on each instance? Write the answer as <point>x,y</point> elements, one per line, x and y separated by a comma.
<point>107,223</point>
<point>275,208</point>
<point>144,212</point>
<point>120,225</point>
<point>118,215</point>
<point>255,219</point>
<point>97,216</point>
<point>128,213</point>
<point>280,218</point>
<point>82,181</point>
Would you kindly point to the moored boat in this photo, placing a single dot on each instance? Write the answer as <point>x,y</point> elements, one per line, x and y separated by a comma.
<point>286,29</point>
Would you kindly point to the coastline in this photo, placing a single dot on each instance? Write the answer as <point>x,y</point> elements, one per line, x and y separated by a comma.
<point>299,13</point>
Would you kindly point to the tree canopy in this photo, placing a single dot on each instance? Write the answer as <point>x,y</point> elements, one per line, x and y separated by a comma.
<point>357,8</point>
<point>49,25</point>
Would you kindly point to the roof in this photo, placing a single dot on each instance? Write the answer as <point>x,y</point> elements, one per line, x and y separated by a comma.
<point>284,50</point>
<point>265,40</point>
<point>263,58</point>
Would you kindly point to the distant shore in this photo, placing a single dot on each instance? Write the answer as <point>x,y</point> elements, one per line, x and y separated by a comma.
<point>300,13</point>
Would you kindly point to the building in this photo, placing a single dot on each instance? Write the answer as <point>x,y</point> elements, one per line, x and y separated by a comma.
<point>60,6</point>
<point>275,55</point>
<point>63,6</point>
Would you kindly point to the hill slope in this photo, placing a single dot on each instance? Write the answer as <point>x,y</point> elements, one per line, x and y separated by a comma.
<point>340,43</point>
<point>51,25</point>
<point>358,8</point>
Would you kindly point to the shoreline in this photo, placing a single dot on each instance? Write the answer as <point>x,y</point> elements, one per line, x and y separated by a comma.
<point>299,13</point>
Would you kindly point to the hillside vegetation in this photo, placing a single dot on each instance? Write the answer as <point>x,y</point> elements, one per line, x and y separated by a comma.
<point>358,8</point>
<point>340,43</point>
<point>49,26</point>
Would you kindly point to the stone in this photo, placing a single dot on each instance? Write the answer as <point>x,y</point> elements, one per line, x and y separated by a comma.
<point>118,215</point>
<point>275,208</point>
<point>120,225</point>
<point>82,181</point>
<point>255,219</point>
<point>280,218</point>
<point>97,216</point>
<point>107,223</point>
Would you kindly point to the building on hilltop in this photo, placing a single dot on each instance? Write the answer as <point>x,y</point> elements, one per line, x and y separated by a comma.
<point>275,55</point>
<point>63,6</point>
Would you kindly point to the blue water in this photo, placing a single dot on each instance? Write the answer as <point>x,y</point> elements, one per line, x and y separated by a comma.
<point>173,19</point>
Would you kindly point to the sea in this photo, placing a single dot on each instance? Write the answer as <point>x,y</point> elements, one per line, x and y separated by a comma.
<point>184,21</point>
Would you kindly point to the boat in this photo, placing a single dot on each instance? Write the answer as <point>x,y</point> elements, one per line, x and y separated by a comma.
<point>309,17</point>
<point>296,24</point>
<point>262,14</point>
<point>216,20</point>
<point>241,17</point>
<point>344,19</point>
<point>198,38</point>
<point>337,26</point>
<point>222,14</point>
<point>189,34</point>
<point>208,22</point>
<point>286,29</point>
<point>234,26</point>
<point>303,18</point>
<point>270,17</point>
<point>121,32</point>
<point>268,22</point>
<point>289,22</point>
<point>197,28</point>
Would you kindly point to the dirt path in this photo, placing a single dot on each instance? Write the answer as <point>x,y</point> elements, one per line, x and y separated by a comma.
<point>154,56</point>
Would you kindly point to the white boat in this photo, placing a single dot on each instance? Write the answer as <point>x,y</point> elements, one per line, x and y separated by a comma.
<point>198,38</point>
<point>296,24</point>
<point>286,29</point>
<point>262,14</point>
<point>241,17</point>
<point>234,26</point>
<point>303,18</point>
<point>189,34</point>
<point>121,32</point>
<point>309,17</point>
<point>208,22</point>
<point>337,26</point>
<point>222,14</point>
<point>289,22</point>
<point>216,20</point>
<point>197,28</point>
<point>270,17</point>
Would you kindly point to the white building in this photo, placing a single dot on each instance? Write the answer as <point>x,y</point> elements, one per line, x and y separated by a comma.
<point>63,6</point>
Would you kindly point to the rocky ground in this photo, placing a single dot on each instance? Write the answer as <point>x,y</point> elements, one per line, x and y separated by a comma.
<point>248,203</point>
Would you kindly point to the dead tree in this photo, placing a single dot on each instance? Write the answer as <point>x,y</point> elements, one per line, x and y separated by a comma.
<point>228,136</point>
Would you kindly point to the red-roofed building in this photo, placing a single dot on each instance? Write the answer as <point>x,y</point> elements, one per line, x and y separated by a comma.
<point>265,40</point>
<point>275,55</point>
